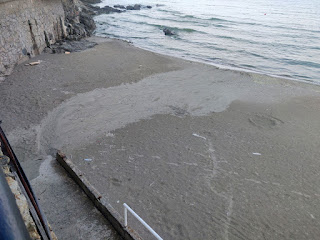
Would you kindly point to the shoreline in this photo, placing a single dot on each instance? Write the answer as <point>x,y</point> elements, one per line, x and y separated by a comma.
<point>170,137</point>
<point>218,66</point>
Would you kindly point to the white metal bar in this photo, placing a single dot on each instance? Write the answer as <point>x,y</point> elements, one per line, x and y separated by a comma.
<point>125,217</point>
<point>140,220</point>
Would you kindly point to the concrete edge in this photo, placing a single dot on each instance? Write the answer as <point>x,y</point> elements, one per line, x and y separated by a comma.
<point>100,202</point>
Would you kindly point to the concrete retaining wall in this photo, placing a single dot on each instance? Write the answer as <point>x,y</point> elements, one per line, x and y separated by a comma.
<point>98,200</point>
<point>26,27</point>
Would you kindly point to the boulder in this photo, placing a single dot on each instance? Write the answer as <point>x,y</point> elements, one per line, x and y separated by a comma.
<point>168,32</point>
<point>137,7</point>
<point>91,1</point>
<point>119,6</point>
<point>93,10</point>
<point>107,10</point>
<point>71,46</point>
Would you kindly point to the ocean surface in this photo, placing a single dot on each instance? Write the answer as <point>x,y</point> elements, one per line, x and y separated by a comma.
<point>275,37</point>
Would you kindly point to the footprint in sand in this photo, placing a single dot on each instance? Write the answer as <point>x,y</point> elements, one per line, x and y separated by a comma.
<point>116,182</point>
<point>263,121</point>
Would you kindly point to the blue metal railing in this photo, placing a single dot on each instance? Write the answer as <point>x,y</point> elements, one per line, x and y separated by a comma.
<point>12,226</point>
<point>42,224</point>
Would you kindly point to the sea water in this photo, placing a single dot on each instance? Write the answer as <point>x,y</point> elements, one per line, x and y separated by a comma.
<point>276,37</point>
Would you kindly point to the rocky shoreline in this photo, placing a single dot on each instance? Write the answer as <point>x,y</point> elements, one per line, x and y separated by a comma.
<point>79,16</point>
<point>73,22</point>
<point>80,24</point>
<point>28,28</point>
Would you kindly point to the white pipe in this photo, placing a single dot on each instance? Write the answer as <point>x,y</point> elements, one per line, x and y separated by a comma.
<point>140,220</point>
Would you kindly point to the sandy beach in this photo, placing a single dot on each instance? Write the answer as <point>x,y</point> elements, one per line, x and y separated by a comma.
<point>198,152</point>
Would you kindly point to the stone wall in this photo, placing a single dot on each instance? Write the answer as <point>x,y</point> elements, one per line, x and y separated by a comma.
<point>26,28</point>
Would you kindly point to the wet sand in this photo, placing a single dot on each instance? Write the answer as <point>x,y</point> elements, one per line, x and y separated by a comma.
<point>30,93</point>
<point>198,152</point>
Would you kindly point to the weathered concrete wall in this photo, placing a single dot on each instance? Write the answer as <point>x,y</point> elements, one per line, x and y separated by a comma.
<point>26,27</point>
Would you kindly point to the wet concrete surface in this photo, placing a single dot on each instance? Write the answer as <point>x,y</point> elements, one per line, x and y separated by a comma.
<point>68,209</point>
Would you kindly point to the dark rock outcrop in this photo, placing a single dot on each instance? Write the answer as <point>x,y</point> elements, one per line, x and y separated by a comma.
<point>129,7</point>
<point>107,10</point>
<point>87,21</point>
<point>135,7</point>
<point>70,46</point>
<point>91,1</point>
<point>119,6</point>
<point>168,32</point>
<point>79,16</point>
<point>93,10</point>
<point>78,20</point>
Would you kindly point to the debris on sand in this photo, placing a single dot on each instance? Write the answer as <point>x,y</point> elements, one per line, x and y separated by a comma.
<point>32,63</point>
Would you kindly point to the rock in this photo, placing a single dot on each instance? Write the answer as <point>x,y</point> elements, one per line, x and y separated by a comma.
<point>92,10</point>
<point>72,46</point>
<point>91,1</point>
<point>88,23</point>
<point>78,19</point>
<point>89,9</point>
<point>137,7</point>
<point>119,6</point>
<point>4,160</point>
<point>168,32</point>
<point>76,32</point>
<point>107,10</point>
<point>130,7</point>
<point>149,7</point>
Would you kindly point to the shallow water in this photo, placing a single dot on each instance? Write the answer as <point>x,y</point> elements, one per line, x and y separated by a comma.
<point>273,37</point>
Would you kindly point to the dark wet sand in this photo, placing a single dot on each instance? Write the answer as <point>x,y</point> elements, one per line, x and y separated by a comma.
<point>198,152</point>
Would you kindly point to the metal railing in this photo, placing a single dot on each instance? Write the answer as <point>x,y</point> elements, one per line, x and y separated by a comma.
<point>126,207</point>
<point>11,223</point>
<point>35,210</point>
